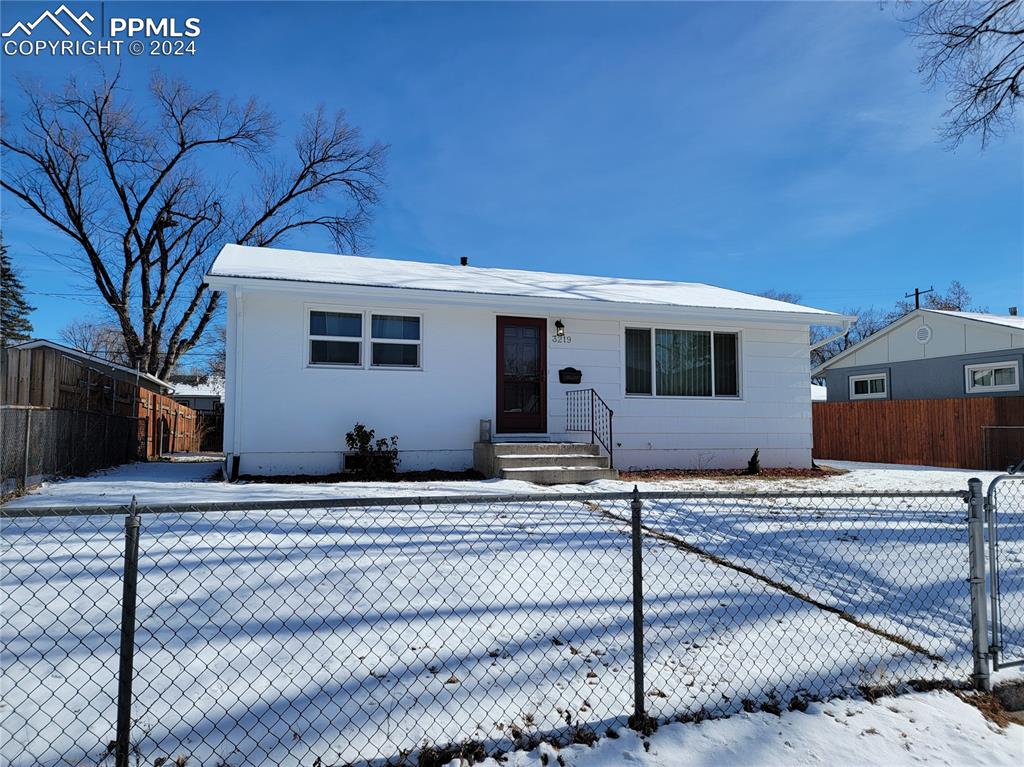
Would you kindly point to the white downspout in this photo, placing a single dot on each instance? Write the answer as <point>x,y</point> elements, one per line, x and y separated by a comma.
<point>236,379</point>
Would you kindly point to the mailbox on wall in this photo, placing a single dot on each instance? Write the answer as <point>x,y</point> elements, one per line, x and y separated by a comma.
<point>570,376</point>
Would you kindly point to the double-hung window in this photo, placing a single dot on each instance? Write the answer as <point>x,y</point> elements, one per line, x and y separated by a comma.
<point>335,338</point>
<point>992,377</point>
<point>682,363</point>
<point>395,341</point>
<point>872,386</point>
<point>339,339</point>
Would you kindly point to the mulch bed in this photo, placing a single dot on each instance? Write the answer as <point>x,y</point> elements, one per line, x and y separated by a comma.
<point>433,475</point>
<point>822,472</point>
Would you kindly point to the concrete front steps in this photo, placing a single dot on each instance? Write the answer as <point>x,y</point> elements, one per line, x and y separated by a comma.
<point>543,463</point>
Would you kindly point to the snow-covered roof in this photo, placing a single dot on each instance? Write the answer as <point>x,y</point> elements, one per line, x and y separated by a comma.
<point>36,343</point>
<point>212,388</point>
<point>819,393</point>
<point>1006,320</point>
<point>241,262</point>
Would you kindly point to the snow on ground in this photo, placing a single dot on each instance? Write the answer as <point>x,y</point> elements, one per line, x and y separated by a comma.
<point>354,632</point>
<point>347,632</point>
<point>924,728</point>
<point>198,482</point>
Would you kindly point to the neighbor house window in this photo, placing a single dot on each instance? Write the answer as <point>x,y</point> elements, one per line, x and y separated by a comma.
<point>991,377</point>
<point>335,338</point>
<point>873,386</point>
<point>395,341</point>
<point>682,363</point>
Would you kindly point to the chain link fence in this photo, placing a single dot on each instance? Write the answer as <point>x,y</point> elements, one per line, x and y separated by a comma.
<point>1006,571</point>
<point>386,631</point>
<point>39,443</point>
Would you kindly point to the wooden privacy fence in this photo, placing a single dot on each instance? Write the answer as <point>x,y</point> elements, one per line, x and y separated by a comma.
<point>166,426</point>
<point>60,415</point>
<point>956,433</point>
<point>44,377</point>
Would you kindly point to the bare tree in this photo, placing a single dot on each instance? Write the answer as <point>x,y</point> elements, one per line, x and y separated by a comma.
<point>99,339</point>
<point>975,48</point>
<point>134,191</point>
<point>869,321</point>
<point>956,299</point>
<point>218,362</point>
<point>781,295</point>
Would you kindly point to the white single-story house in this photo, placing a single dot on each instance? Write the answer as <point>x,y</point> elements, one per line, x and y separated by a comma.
<point>663,374</point>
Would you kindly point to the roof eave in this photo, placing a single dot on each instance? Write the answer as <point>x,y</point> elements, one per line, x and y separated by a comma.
<point>221,282</point>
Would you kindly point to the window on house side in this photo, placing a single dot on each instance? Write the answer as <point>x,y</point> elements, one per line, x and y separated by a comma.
<point>681,363</point>
<point>989,377</point>
<point>395,341</point>
<point>335,338</point>
<point>638,361</point>
<point>874,386</point>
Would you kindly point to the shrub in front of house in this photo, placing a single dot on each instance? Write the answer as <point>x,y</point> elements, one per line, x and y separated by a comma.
<point>368,457</point>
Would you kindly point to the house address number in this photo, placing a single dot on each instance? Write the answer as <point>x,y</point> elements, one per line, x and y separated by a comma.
<point>561,339</point>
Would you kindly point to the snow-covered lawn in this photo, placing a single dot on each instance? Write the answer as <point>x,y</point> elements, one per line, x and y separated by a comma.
<point>195,482</point>
<point>277,636</point>
<point>923,728</point>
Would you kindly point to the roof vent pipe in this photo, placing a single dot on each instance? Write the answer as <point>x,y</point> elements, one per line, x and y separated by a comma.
<point>464,261</point>
<point>1013,311</point>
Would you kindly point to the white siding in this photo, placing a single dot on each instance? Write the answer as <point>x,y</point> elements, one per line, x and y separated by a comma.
<point>292,418</point>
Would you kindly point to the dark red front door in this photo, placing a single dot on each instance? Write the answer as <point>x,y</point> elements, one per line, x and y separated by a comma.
<point>522,384</point>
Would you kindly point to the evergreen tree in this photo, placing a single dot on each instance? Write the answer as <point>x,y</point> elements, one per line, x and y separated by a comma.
<point>14,309</point>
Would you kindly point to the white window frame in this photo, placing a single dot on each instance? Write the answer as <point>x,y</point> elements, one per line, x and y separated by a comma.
<point>651,328</point>
<point>401,341</point>
<point>365,340</point>
<point>870,377</point>
<point>972,388</point>
<point>311,337</point>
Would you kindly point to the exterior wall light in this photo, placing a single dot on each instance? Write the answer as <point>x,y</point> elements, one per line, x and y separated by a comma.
<point>559,328</point>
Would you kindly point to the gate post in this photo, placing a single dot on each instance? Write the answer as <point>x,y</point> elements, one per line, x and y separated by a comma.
<point>976,549</point>
<point>639,719</point>
<point>126,666</point>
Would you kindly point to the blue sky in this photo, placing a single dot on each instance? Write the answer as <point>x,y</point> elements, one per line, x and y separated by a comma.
<point>750,145</point>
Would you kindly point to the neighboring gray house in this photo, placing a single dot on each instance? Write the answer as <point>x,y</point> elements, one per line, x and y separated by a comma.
<point>931,354</point>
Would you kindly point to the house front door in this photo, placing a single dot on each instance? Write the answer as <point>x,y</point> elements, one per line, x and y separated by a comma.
<point>522,380</point>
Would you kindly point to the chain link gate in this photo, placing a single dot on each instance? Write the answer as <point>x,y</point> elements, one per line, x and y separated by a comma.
<point>1004,512</point>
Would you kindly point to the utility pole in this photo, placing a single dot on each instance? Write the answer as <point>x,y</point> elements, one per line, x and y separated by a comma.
<point>917,295</point>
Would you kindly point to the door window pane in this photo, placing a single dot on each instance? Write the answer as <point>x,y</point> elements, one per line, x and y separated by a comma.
<point>727,380</point>
<point>638,361</point>
<point>683,363</point>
